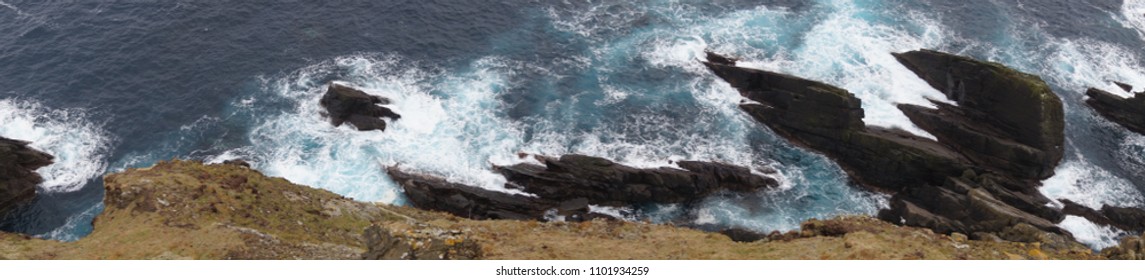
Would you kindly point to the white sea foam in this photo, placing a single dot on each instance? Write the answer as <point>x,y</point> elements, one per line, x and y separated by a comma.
<point>79,146</point>
<point>1095,236</point>
<point>1091,186</point>
<point>449,128</point>
<point>1133,15</point>
<point>1078,64</point>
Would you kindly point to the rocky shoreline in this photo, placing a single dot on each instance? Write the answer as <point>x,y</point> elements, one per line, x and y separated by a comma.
<point>189,210</point>
<point>972,192</point>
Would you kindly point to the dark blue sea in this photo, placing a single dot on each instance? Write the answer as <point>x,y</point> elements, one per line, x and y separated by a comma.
<point>110,85</point>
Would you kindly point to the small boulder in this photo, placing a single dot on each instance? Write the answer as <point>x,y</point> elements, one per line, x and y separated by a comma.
<point>346,104</point>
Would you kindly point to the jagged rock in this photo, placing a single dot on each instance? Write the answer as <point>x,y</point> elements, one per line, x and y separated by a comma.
<point>1124,86</point>
<point>433,193</point>
<point>719,59</point>
<point>1073,208</point>
<point>1128,112</point>
<point>347,104</point>
<point>1126,218</point>
<point>604,182</point>
<point>829,119</point>
<point>936,183</point>
<point>18,178</point>
<point>1005,119</point>
<point>381,244</point>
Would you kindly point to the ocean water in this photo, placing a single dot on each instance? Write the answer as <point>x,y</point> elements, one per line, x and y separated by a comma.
<point>108,86</point>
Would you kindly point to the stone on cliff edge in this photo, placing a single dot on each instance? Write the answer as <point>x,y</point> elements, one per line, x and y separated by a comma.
<point>604,182</point>
<point>1005,119</point>
<point>347,104</point>
<point>18,178</point>
<point>1128,112</point>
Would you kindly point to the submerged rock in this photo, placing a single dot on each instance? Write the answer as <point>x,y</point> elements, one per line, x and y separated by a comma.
<point>346,104</point>
<point>18,177</point>
<point>980,176</point>
<point>1128,112</point>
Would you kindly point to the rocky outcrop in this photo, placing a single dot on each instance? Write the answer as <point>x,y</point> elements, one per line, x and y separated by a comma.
<point>433,193</point>
<point>1005,120</point>
<point>18,177</point>
<point>603,182</point>
<point>981,176</point>
<point>346,104</point>
<point>566,186</point>
<point>1128,112</point>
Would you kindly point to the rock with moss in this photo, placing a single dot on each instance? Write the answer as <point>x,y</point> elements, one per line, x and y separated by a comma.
<point>1005,119</point>
<point>18,177</point>
<point>1128,112</point>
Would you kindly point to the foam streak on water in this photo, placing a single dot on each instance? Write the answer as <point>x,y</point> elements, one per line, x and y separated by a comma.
<point>79,147</point>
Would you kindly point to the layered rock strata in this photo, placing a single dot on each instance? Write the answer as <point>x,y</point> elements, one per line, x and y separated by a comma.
<point>567,185</point>
<point>981,176</point>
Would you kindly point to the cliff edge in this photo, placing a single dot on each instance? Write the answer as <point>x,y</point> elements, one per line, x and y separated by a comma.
<point>188,210</point>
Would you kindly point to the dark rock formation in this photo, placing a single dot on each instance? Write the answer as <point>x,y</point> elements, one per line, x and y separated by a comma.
<point>18,178</point>
<point>829,119</point>
<point>566,186</point>
<point>1124,218</point>
<point>1132,248</point>
<point>433,193</point>
<point>1129,219</point>
<point>346,104</point>
<point>1129,113</point>
<point>1005,119</point>
<point>982,174</point>
<point>604,182</point>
